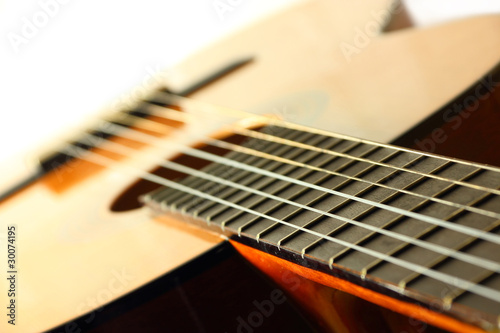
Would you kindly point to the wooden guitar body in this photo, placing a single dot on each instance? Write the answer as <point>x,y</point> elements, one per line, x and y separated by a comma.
<point>81,265</point>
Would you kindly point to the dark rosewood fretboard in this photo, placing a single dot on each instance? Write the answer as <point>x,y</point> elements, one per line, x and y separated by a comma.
<point>447,190</point>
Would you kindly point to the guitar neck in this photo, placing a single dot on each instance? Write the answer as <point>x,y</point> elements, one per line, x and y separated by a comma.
<point>414,225</point>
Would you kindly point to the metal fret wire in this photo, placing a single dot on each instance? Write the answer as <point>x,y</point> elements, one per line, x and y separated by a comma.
<point>256,177</point>
<point>238,114</point>
<point>431,229</point>
<point>474,260</point>
<point>297,194</point>
<point>246,150</point>
<point>257,135</point>
<point>461,246</point>
<point>408,279</point>
<point>241,177</point>
<point>324,195</point>
<point>262,199</point>
<point>98,159</point>
<point>218,159</point>
<point>388,224</point>
<point>455,293</point>
<point>301,176</point>
<point>166,112</point>
<point>474,209</point>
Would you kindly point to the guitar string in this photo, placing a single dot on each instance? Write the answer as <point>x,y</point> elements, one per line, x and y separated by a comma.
<point>273,138</point>
<point>189,103</point>
<point>237,129</point>
<point>431,220</point>
<point>99,159</point>
<point>218,159</point>
<point>249,151</point>
<point>471,259</point>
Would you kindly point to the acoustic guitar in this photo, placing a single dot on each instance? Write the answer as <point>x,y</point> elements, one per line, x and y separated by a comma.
<point>314,172</point>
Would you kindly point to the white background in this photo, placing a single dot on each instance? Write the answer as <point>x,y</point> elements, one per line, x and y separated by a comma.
<point>89,52</point>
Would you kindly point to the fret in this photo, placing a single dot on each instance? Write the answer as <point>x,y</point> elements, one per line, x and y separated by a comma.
<point>378,268</point>
<point>238,176</point>
<point>241,176</point>
<point>245,177</point>
<point>307,237</point>
<point>172,196</point>
<point>303,191</point>
<point>446,292</point>
<point>355,234</point>
<point>296,191</point>
<point>486,178</point>
<point>331,144</point>
<point>179,199</point>
<point>457,292</point>
<point>415,208</point>
<point>460,172</point>
<point>277,189</point>
<point>448,239</point>
<point>402,246</point>
<point>331,210</point>
<point>425,165</point>
<point>231,194</point>
<point>441,258</point>
<point>389,198</point>
<point>264,182</point>
<point>434,159</point>
<point>234,195</point>
<point>480,303</point>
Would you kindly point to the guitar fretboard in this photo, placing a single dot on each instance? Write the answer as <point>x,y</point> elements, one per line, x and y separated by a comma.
<point>377,183</point>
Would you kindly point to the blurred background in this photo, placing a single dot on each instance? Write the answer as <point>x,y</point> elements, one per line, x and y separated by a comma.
<point>82,54</point>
